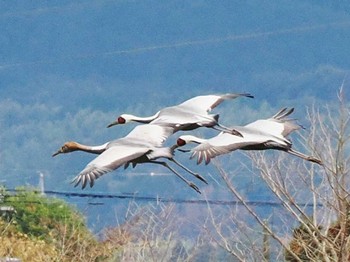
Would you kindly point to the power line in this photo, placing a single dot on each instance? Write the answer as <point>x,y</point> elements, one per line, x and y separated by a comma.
<point>163,200</point>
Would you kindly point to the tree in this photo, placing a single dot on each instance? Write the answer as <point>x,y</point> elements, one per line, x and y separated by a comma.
<point>313,199</point>
<point>43,229</point>
<point>329,228</point>
<point>150,234</point>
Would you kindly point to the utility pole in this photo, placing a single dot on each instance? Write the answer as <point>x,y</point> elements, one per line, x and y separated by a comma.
<point>41,183</point>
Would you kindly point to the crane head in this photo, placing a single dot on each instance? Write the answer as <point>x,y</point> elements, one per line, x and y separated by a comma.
<point>185,139</point>
<point>66,148</point>
<point>180,142</point>
<point>120,120</point>
<point>123,119</point>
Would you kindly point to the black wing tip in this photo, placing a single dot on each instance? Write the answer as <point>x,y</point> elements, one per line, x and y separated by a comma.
<point>283,113</point>
<point>201,178</point>
<point>289,111</point>
<point>234,95</point>
<point>248,95</point>
<point>84,181</point>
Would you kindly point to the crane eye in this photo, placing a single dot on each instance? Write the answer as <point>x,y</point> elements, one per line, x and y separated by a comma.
<point>180,142</point>
<point>121,120</point>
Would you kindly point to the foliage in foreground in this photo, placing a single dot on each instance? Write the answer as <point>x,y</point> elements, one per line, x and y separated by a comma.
<point>47,229</point>
<point>305,242</point>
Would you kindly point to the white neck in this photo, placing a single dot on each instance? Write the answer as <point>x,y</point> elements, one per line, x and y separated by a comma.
<point>190,138</point>
<point>144,120</point>
<point>92,149</point>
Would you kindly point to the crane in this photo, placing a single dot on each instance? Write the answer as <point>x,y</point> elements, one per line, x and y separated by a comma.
<point>189,115</point>
<point>262,134</point>
<point>142,145</point>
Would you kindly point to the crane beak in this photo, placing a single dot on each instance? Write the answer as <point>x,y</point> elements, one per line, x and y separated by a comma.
<point>113,124</point>
<point>176,147</point>
<point>58,152</point>
<point>184,150</point>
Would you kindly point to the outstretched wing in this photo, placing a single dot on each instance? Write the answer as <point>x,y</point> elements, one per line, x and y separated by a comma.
<point>268,126</point>
<point>278,125</point>
<point>289,125</point>
<point>151,133</point>
<point>109,160</point>
<point>222,144</point>
<point>207,102</point>
<point>283,113</point>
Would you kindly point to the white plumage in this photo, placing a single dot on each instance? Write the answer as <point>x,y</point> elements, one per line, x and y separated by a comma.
<point>259,135</point>
<point>189,115</point>
<point>142,145</point>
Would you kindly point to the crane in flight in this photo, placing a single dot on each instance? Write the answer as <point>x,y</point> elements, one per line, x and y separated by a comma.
<point>189,115</point>
<point>142,145</point>
<point>262,134</point>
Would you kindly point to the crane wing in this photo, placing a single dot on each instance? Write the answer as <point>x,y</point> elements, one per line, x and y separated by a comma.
<point>221,144</point>
<point>151,133</point>
<point>278,125</point>
<point>253,139</point>
<point>207,102</point>
<point>289,124</point>
<point>109,160</point>
<point>179,118</point>
<point>269,126</point>
<point>283,113</point>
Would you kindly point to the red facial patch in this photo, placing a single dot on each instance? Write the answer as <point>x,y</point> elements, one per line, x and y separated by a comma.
<point>121,120</point>
<point>180,142</point>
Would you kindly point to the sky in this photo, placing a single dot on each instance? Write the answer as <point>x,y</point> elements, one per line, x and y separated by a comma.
<point>69,68</point>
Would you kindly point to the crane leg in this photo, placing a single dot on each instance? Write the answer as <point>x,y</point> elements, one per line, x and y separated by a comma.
<point>191,184</point>
<point>188,170</point>
<point>305,157</point>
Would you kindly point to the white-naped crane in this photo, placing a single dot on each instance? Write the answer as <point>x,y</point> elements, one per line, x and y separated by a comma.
<point>142,145</point>
<point>189,115</point>
<point>262,134</point>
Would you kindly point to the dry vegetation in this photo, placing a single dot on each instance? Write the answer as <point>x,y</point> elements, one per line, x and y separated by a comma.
<point>46,229</point>
<point>315,200</point>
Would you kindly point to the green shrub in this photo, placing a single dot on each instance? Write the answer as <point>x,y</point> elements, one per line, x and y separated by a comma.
<point>47,227</point>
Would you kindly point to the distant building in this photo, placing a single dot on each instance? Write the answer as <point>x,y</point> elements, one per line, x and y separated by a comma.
<point>7,212</point>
